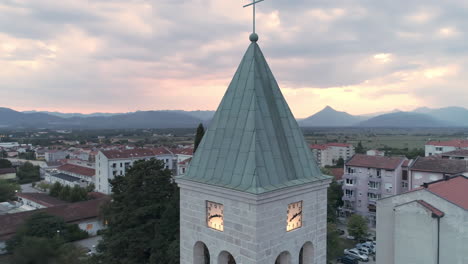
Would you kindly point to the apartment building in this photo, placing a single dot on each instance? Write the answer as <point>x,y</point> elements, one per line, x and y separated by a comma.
<point>426,225</point>
<point>439,147</point>
<point>433,168</point>
<point>110,163</point>
<point>328,154</point>
<point>367,179</point>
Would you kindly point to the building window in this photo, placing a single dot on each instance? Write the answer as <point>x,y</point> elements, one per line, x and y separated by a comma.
<point>121,164</point>
<point>374,185</point>
<point>350,170</point>
<point>404,175</point>
<point>373,196</point>
<point>349,182</point>
<point>349,193</point>
<point>379,173</point>
<point>404,184</point>
<point>430,154</point>
<point>439,148</point>
<point>183,170</point>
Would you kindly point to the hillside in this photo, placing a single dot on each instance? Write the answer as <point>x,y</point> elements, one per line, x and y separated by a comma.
<point>329,117</point>
<point>404,119</point>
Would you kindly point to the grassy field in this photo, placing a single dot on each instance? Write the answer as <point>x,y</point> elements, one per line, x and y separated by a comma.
<point>382,137</point>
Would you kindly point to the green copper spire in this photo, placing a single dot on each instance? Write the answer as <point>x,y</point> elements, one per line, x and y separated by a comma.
<point>253,144</point>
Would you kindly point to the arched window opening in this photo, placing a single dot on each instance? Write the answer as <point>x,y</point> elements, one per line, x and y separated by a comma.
<point>201,254</point>
<point>306,255</point>
<point>226,258</point>
<point>283,258</point>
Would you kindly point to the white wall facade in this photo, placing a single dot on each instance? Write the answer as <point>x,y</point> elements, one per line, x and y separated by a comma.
<point>254,225</point>
<point>431,150</point>
<point>418,178</point>
<point>397,228</point>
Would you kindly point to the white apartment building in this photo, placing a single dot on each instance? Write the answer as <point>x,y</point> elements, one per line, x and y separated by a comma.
<point>367,179</point>
<point>439,147</point>
<point>111,163</point>
<point>328,154</point>
<point>426,225</point>
<point>54,155</point>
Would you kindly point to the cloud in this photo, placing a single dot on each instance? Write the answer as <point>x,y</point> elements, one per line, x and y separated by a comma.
<point>122,56</point>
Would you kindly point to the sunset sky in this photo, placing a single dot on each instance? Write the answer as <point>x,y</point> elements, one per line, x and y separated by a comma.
<point>119,56</point>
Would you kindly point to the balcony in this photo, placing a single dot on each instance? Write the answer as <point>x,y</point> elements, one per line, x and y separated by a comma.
<point>349,198</point>
<point>349,176</point>
<point>372,201</point>
<point>376,191</point>
<point>349,186</point>
<point>375,178</point>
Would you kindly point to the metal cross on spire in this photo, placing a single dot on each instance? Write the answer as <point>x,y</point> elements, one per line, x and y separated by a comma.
<point>253,4</point>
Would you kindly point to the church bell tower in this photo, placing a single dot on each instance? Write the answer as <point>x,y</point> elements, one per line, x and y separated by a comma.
<point>253,193</point>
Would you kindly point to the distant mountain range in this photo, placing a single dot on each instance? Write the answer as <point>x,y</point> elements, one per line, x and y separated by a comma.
<point>140,119</point>
<point>327,117</point>
<point>420,117</point>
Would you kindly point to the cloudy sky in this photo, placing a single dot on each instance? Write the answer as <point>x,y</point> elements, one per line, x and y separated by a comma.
<point>117,56</point>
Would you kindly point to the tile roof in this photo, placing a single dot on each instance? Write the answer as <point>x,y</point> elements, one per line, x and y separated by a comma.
<point>71,213</point>
<point>453,189</point>
<point>428,206</point>
<point>185,161</point>
<point>182,151</point>
<point>379,162</point>
<point>42,199</point>
<point>459,152</point>
<point>71,168</point>
<point>7,170</point>
<point>318,146</point>
<point>253,143</point>
<point>337,173</point>
<point>134,153</point>
<point>459,143</point>
<point>436,164</point>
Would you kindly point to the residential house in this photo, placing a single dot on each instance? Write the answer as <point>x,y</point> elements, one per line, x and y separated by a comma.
<point>439,147</point>
<point>7,173</point>
<point>71,175</point>
<point>367,179</point>
<point>33,201</point>
<point>85,214</point>
<point>433,168</point>
<point>54,155</point>
<point>328,154</point>
<point>426,225</point>
<point>461,154</point>
<point>375,152</point>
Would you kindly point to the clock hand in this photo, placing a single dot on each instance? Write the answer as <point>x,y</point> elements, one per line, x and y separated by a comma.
<point>213,216</point>
<point>295,215</point>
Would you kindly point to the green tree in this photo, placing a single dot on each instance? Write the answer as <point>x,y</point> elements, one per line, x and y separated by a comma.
<point>340,163</point>
<point>28,173</point>
<point>360,149</point>
<point>8,190</point>
<point>55,189</point>
<point>143,217</point>
<point>43,225</point>
<point>77,194</point>
<point>65,193</point>
<point>335,194</point>
<point>4,163</point>
<point>357,227</point>
<point>43,186</point>
<point>333,242</point>
<point>90,187</point>
<point>198,136</point>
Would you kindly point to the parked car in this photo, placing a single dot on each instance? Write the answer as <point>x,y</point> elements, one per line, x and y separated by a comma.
<point>348,260</point>
<point>355,253</point>
<point>367,248</point>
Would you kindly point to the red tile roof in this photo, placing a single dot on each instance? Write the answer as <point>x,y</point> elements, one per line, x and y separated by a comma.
<point>77,170</point>
<point>436,164</point>
<point>453,189</point>
<point>42,199</point>
<point>132,153</point>
<point>71,213</point>
<point>182,151</point>
<point>431,208</point>
<point>337,173</point>
<point>7,170</point>
<point>459,143</point>
<point>186,161</point>
<point>458,152</point>
<point>379,162</point>
<point>318,146</point>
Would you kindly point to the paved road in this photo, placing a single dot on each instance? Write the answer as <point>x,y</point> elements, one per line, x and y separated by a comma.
<point>89,242</point>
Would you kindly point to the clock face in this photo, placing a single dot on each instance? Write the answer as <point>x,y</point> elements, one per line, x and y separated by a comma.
<point>294,216</point>
<point>215,215</point>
